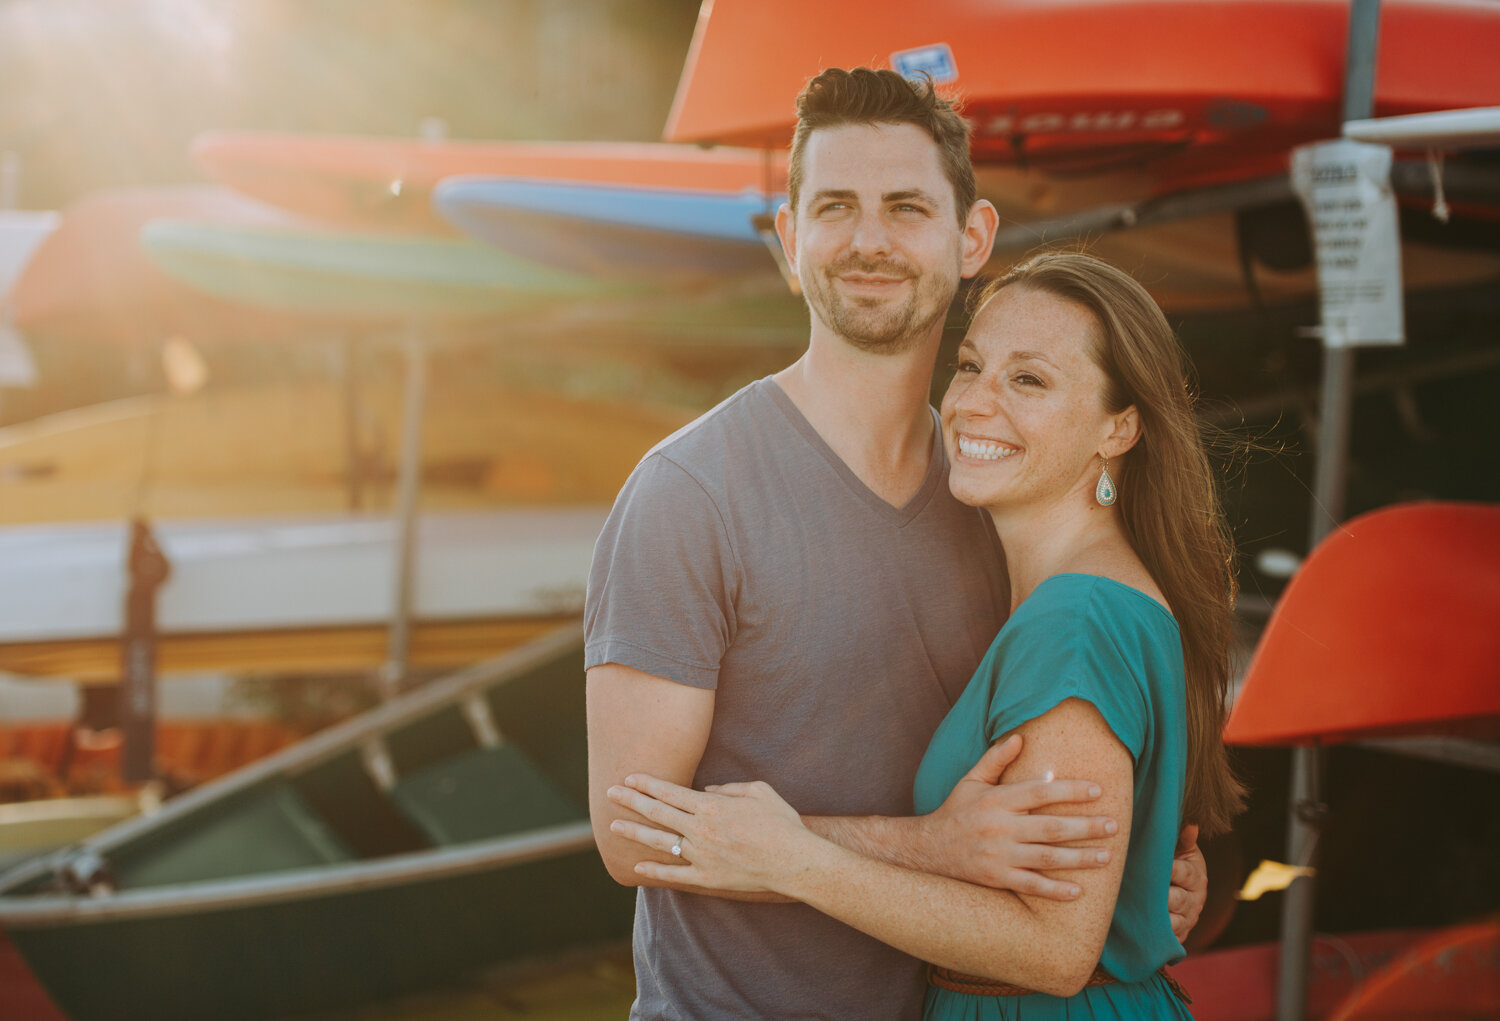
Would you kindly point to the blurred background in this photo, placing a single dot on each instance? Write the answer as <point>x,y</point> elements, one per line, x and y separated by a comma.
<point>101,95</point>
<point>137,381</point>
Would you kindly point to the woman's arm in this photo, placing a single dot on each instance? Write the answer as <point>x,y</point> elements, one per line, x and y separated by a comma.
<point>744,837</point>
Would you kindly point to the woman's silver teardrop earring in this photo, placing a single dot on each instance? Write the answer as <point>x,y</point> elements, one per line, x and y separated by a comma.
<point>1105,491</point>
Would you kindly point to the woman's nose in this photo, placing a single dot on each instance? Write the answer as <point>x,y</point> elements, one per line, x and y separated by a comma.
<point>977,398</point>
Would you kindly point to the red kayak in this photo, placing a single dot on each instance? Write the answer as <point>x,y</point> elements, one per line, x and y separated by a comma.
<point>1451,976</point>
<point>387,183</point>
<point>1388,627</point>
<point>1239,983</point>
<point>1447,974</point>
<point>1194,90</point>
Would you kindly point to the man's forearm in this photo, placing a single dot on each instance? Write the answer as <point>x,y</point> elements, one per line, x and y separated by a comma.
<point>896,840</point>
<point>750,897</point>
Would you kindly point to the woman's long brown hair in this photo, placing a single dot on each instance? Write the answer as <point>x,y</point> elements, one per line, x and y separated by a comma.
<point>1168,501</point>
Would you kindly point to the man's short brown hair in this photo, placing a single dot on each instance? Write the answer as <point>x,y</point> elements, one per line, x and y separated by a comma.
<point>881,96</point>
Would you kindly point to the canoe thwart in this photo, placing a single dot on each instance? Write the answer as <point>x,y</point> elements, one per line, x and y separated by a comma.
<point>476,709</point>
<point>378,763</point>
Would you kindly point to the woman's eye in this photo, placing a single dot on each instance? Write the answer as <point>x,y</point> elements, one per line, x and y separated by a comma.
<point>1026,379</point>
<point>965,365</point>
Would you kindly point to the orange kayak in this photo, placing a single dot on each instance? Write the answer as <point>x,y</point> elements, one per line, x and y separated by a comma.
<point>1388,627</point>
<point>90,281</point>
<point>1194,90</point>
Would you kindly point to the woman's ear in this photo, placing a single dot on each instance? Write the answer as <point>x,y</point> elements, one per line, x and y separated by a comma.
<point>1125,430</point>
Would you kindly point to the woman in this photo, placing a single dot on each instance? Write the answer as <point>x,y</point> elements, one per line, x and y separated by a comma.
<point>1069,420</point>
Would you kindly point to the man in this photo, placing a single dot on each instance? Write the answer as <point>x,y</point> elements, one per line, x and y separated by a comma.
<point>786,591</point>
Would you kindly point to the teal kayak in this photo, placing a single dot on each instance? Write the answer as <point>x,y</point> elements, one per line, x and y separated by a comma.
<point>354,274</point>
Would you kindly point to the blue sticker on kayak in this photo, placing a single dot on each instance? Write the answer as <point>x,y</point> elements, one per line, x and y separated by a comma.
<point>936,60</point>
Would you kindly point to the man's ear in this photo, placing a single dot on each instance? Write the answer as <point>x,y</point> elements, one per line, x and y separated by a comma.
<point>979,236</point>
<point>786,230</point>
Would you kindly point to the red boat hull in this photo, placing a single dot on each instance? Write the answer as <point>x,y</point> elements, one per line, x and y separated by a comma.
<point>387,183</point>
<point>1195,90</point>
<point>1407,974</point>
<point>1388,627</point>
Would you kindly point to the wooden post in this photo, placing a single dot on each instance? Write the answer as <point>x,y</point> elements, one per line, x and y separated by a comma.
<point>148,569</point>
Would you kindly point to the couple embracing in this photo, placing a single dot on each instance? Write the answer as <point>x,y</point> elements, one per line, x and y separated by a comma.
<point>895,711</point>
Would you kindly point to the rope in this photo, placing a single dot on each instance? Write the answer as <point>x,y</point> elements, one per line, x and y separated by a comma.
<point>1439,202</point>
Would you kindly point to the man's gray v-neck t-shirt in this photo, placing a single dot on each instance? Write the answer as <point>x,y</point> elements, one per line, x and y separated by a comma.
<point>836,630</point>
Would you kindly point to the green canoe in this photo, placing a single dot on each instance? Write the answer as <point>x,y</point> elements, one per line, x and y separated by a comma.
<point>444,831</point>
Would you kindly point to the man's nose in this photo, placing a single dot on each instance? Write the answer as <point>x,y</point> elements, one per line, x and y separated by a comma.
<point>872,235</point>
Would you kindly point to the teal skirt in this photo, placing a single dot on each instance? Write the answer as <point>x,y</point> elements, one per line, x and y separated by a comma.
<point>1127,1001</point>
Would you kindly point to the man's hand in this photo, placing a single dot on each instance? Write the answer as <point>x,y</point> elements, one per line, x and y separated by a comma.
<point>985,833</point>
<point>1189,890</point>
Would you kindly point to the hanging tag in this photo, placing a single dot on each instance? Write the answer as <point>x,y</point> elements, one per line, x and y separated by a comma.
<point>1345,186</point>
<point>935,61</point>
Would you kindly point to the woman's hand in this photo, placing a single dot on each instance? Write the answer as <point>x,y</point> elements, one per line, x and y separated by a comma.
<point>738,836</point>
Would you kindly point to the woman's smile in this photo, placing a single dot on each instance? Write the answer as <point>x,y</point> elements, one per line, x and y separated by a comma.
<point>978,449</point>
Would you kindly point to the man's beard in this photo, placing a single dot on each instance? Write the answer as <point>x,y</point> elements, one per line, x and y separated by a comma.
<point>877,325</point>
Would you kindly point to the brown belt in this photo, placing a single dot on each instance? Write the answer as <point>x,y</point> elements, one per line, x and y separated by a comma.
<point>976,985</point>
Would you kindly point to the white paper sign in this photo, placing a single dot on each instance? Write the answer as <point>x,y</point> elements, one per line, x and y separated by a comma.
<point>1345,186</point>
<point>17,368</point>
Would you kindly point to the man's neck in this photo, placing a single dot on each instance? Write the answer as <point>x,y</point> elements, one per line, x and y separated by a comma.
<point>871,409</point>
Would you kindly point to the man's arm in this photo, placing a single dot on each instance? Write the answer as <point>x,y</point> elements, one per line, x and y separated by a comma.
<point>638,722</point>
<point>985,831</point>
<point>641,723</point>
<point>746,838</point>
<point>1189,892</point>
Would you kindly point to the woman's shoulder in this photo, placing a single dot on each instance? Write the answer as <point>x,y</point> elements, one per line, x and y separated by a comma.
<point>1096,624</point>
<point>1087,623</point>
<point>1087,637</point>
<point>1089,599</point>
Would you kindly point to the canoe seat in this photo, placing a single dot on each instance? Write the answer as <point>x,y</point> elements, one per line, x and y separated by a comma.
<point>481,794</point>
<point>268,831</point>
